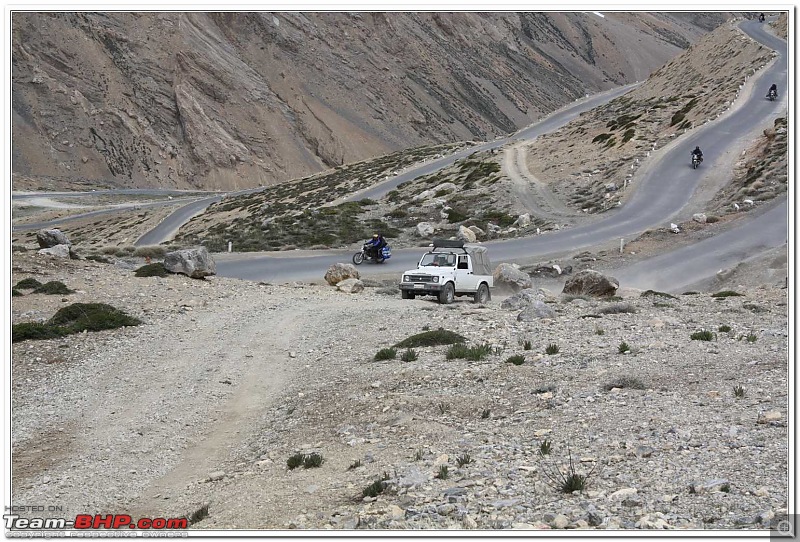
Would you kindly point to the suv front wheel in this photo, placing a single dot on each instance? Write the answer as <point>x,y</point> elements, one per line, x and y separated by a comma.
<point>447,294</point>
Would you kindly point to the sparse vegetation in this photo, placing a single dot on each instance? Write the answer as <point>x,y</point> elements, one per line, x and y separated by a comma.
<point>409,355</point>
<point>623,347</point>
<point>551,349</point>
<point>485,414</point>
<point>295,461</point>
<point>313,460</point>
<point>726,293</point>
<point>27,284</point>
<point>431,338</point>
<point>724,328</point>
<point>703,335</point>
<point>751,337</point>
<point>527,345</point>
<point>472,353</point>
<point>156,269</point>
<point>386,353</point>
<point>545,447</point>
<point>152,251</point>
<point>651,293</point>
<point>463,459</point>
<point>617,308</point>
<point>518,359</point>
<point>443,473</point>
<point>628,382</point>
<point>738,391</point>
<point>569,481</point>
<point>74,319</point>
<point>53,287</point>
<point>354,465</point>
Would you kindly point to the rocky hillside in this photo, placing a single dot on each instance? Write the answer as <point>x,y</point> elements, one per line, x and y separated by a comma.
<point>226,100</point>
<point>673,408</point>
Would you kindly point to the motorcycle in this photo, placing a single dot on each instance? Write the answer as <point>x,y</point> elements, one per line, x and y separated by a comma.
<point>696,159</point>
<point>772,94</point>
<point>366,254</point>
<point>761,18</point>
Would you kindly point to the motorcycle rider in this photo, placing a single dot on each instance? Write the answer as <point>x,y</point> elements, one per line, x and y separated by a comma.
<point>761,18</point>
<point>773,88</point>
<point>697,152</point>
<point>376,244</point>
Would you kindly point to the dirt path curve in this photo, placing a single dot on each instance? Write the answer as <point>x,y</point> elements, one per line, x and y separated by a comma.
<point>533,195</point>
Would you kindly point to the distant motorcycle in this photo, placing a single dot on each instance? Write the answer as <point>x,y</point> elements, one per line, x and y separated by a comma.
<point>366,254</point>
<point>761,18</point>
<point>696,159</point>
<point>772,94</point>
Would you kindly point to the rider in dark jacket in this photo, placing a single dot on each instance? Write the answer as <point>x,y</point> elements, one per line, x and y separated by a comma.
<point>376,244</point>
<point>773,88</point>
<point>697,152</point>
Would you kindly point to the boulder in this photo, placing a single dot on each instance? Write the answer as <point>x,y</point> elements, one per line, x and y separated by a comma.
<point>700,217</point>
<point>425,229</point>
<point>339,272</point>
<point>509,278</point>
<point>194,262</point>
<point>350,286</point>
<point>536,311</point>
<point>465,234</point>
<point>50,238</point>
<point>59,251</point>
<point>521,300</point>
<point>590,282</point>
<point>445,187</point>
<point>477,231</point>
<point>523,221</point>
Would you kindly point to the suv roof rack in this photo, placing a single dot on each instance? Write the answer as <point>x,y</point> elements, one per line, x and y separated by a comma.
<point>447,243</point>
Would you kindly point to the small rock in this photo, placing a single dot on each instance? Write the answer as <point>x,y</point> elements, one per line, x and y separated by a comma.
<point>770,416</point>
<point>215,476</point>
<point>559,522</point>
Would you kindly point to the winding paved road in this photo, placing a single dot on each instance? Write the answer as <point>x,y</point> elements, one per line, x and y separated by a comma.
<point>662,191</point>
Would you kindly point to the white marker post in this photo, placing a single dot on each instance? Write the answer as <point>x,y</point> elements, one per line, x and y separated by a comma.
<point>621,244</point>
<point>230,246</point>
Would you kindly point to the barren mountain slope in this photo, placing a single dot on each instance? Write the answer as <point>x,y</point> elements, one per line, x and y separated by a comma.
<point>603,145</point>
<point>241,99</point>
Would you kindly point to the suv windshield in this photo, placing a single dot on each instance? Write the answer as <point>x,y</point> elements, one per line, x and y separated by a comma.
<point>438,260</point>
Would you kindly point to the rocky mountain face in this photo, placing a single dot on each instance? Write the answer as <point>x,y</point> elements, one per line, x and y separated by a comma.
<point>233,100</point>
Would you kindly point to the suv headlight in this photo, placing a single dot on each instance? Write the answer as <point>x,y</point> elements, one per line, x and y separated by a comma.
<point>435,279</point>
<point>406,279</point>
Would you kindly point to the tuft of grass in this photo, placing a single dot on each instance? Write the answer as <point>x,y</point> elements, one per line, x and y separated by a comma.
<point>374,489</point>
<point>569,481</point>
<point>444,408</point>
<point>464,459</point>
<point>431,338</point>
<point>53,287</point>
<point>629,382</point>
<point>704,335</point>
<point>295,461</point>
<point>724,328</point>
<point>518,359</point>
<point>385,353</point>
<point>599,331</point>
<point>419,455</point>
<point>472,353</point>
<point>551,349</point>
<point>727,293</point>
<point>27,284</point>
<point>354,465</point>
<point>16,293</point>
<point>313,460</point>
<point>738,391</point>
<point>545,447</point>
<point>152,270</point>
<point>751,337</point>
<point>443,472</point>
<point>527,345</point>
<point>485,414</point>
<point>409,355</point>
<point>617,308</point>
<point>623,347</point>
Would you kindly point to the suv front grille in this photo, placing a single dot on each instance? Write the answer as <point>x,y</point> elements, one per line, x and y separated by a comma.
<point>420,278</point>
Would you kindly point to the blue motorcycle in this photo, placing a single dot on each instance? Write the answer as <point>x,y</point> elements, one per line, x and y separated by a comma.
<point>366,254</point>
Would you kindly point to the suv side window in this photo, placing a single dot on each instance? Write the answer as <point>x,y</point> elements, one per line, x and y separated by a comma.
<point>463,263</point>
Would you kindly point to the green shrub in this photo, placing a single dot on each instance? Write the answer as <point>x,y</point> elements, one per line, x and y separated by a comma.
<point>551,349</point>
<point>650,293</point>
<point>545,447</point>
<point>738,391</point>
<point>386,353</point>
<point>53,287</point>
<point>569,481</point>
<point>472,353</point>
<point>152,270</point>
<point>456,215</point>
<point>726,293</point>
<point>313,460</point>
<point>354,465</point>
<point>704,335</point>
<point>98,258</point>
<point>624,347</point>
<point>409,355</point>
<point>431,338</point>
<point>485,414</point>
<point>724,328</point>
<point>527,345</point>
<point>295,461</point>
<point>518,359</point>
<point>374,489</point>
<point>27,284</point>
<point>74,319</point>
<point>443,473</point>
<point>751,337</point>
<point>464,459</point>
<point>16,293</point>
